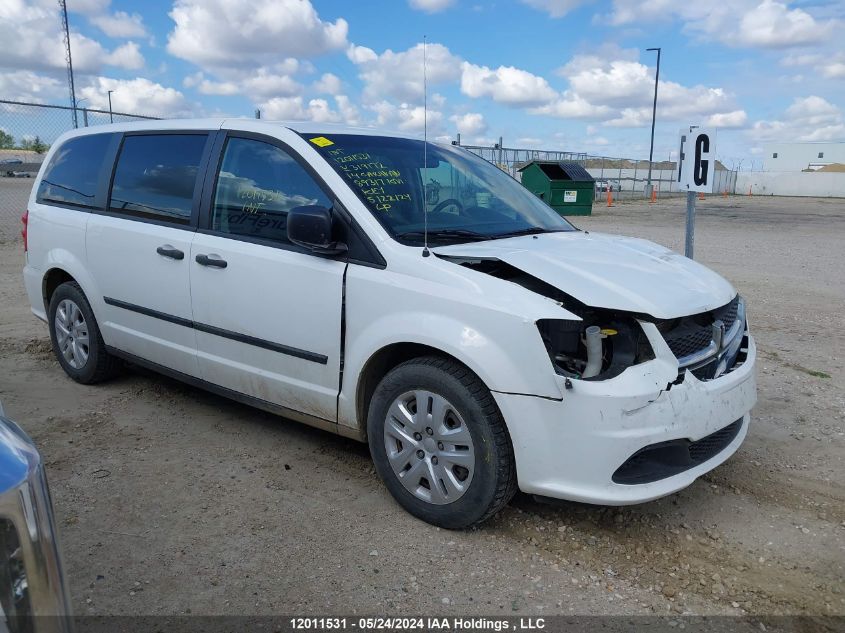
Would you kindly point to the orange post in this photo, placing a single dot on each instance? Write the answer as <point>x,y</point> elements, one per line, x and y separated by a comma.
<point>725,193</point>
<point>653,194</point>
<point>701,195</point>
<point>609,197</point>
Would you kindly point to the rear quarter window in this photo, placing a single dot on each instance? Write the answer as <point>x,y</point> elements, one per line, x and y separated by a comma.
<point>156,175</point>
<point>72,177</point>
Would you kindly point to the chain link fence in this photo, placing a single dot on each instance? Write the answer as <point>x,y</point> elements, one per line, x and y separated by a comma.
<point>626,177</point>
<point>27,130</point>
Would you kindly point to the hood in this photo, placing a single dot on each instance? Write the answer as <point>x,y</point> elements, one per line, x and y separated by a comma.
<point>608,271</point>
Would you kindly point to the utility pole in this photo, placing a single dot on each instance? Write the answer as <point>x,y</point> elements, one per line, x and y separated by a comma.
<point>111,118</point>
<point>653,118</point>
<point>63,8</point>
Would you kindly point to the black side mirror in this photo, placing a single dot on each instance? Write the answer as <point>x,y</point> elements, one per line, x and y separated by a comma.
<point>311,226</point>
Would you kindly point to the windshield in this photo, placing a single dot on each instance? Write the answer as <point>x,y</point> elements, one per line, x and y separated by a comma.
<point>465,198</point>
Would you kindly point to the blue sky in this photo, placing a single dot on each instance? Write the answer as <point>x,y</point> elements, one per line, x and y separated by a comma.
<point>556,74</point>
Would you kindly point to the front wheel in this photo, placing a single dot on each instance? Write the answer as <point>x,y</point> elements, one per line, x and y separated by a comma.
<point>440,444</point>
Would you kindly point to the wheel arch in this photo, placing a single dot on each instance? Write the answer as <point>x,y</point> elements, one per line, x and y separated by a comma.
<point>381,362</point>
<point>52,279</point>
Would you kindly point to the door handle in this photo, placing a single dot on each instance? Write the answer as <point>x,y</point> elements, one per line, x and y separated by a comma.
<point>168,251</point>
<point>215,261</point>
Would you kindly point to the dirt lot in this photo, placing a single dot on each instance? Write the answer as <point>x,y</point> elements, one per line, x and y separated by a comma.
<point>171,500</point>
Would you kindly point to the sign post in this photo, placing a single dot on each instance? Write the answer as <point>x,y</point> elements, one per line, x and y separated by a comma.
<point>696,172</point>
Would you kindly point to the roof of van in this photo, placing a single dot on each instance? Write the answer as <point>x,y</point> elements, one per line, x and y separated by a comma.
<point>303,127</point>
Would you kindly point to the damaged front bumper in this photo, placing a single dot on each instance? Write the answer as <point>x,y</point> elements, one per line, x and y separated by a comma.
<point>644,425</point>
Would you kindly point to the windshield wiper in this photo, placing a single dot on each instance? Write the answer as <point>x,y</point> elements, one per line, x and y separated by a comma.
<point>531,230</point>
<point>436,234</point>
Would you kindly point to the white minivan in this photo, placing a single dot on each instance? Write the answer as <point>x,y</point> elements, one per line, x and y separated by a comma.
<point>406,294</point>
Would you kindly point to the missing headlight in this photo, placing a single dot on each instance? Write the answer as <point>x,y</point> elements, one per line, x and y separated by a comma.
<point>623,344</point>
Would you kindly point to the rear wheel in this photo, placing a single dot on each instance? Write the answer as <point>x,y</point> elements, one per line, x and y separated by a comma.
<point>439,443</point>
<point>76,338</point>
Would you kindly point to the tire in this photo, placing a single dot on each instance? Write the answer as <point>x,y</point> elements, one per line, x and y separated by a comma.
<point>86,362</point>
<point>464,435</point>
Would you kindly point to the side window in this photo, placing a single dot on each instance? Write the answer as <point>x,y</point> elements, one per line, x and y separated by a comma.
<point>71,177</point>
<point>156,175</point>
<point>257,186</point>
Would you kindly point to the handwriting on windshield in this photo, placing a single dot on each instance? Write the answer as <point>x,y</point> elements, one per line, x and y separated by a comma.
<point>380,184</point>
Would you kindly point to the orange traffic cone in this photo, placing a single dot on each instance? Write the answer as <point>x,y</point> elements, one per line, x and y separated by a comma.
<point>701,195</point>
<point>609,197</point>
<point>725,193</point>
<point>653,195</point>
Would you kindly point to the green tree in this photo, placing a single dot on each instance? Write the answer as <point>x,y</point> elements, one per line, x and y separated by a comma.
<point>38,146</point>
<point>7,141</point>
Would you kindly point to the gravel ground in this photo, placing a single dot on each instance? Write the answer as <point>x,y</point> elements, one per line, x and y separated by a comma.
<point>173,501</point>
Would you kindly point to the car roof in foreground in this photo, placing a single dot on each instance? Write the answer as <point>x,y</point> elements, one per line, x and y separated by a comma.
<point>300,127</point>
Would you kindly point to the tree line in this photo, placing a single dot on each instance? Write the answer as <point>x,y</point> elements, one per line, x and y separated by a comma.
<point>7,141</point>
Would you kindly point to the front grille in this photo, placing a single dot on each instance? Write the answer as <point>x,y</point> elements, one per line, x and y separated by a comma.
<point>691,342</point>
<point>693,334</point>
<point>659,461</point>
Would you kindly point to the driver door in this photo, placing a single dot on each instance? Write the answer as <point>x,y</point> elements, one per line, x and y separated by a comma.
<point>267,312</point>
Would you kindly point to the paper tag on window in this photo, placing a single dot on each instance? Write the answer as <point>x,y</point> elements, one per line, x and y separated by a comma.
<point>321,141</point>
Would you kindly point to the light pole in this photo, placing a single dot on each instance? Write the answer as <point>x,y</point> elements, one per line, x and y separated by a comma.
<point>111,118</point>
<point>653,118</point>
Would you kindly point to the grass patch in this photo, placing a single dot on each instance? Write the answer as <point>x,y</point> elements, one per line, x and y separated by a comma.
<point>810,372</point>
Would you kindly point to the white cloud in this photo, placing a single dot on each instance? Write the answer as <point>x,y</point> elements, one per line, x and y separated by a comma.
<point>571,106</point>
<point>752,23</point>
<point>25,85</point>
<point>32,40</point>
<point>120,24</point>
<point>774,25</point>
<point>809,118</point>
<point>232,33</point>
<point>506,85</point>
<point>734,119</point>
<point>407,117</point>
<point>430,6</point>
<point>318,110</point>
<point>555,8</point>
<point>329,84</point>
<point>610,83</point>
<point>400,75</point>
<point>137,96</point>
<point>88,7</point>
<point>469,123</point>
<point>829,65</point>
<point>126,56</point>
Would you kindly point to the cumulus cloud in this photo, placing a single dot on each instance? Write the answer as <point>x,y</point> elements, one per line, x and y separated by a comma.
<point>469,123</point>
<point>407,117</point>
<point>752,23</point>
<point>32,40</point>
<point>506,84</point>
<point>137,96</point>
<point>400,74</point>
<point>809,118</point>
<point>232,33</point>
<point>329,84</point>
<point>430,6</point>
<point>555,8</point>
<point>318,110</point>
<point>120,24</point>
<point>126,56</point>
<point>25,85</point>
<point>734,119</point>
<point>623,90</point>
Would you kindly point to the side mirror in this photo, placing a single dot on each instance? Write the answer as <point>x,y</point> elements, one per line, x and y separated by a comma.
<point>311,226</point>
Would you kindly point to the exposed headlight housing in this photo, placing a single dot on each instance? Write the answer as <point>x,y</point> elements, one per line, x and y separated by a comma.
<point>623,344</point>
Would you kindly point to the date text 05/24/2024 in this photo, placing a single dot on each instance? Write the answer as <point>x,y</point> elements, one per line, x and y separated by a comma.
<point>416,623</point>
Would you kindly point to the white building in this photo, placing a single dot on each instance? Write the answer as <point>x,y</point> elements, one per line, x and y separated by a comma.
<point>801,156</point>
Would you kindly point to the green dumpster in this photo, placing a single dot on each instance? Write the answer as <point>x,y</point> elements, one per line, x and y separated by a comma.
<point>567,188</point>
